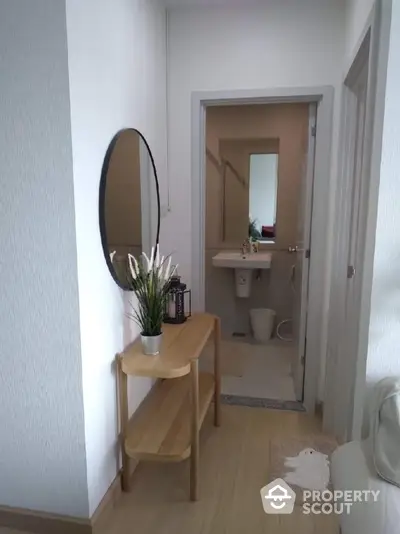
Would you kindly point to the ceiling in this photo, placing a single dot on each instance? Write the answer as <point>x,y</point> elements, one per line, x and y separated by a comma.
<point>244,3</point>
<point>227,3</point>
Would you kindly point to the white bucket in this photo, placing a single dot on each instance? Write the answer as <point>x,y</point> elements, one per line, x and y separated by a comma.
<point>262,323</point>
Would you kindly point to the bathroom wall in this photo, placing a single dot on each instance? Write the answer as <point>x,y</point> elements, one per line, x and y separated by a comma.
<point>247,129</point>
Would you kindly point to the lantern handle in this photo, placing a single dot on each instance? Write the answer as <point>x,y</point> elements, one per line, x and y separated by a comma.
<point>190,304</point>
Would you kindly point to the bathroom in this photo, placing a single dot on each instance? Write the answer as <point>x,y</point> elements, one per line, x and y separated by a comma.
<point>256,167</point>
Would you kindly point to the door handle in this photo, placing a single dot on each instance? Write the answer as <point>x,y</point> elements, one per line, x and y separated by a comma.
<point>293,250</point>
<point>351,272</point>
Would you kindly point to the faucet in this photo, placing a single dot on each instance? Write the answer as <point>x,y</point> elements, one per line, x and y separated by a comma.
<point>246,246</point>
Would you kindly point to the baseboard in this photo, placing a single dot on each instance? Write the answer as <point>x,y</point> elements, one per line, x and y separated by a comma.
<point>44,523</point>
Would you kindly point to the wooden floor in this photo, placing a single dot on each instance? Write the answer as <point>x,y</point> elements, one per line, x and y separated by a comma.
<point>234,464</point>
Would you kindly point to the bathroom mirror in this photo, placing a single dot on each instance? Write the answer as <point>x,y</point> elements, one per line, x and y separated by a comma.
<point>249,172</point>
<point>129,203</point>
<point>263,187</point>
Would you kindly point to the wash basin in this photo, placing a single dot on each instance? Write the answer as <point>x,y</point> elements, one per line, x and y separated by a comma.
<point>244,266</point>
<point>237,260</point>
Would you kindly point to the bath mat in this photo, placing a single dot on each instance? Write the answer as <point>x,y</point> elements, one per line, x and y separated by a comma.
<point>233,358</point>
<point>255,402</point>
<point>304,463</point>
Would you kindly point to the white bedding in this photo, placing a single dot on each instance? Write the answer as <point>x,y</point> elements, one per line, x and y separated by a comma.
<point>351,471</point>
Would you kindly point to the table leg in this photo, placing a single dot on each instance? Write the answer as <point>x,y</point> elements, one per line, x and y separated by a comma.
<point>123,407</point>
<point>194,455</point>
<point>217,372</point>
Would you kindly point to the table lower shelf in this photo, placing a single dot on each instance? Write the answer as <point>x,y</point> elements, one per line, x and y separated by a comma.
<point>160,429</point>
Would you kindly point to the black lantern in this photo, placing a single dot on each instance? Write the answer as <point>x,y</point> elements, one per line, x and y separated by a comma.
<point>175,312</point>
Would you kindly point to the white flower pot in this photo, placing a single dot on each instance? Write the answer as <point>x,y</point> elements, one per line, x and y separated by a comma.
<point>151,345</point>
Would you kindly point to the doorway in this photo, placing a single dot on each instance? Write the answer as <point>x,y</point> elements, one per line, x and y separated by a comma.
<point>259,178</point>
<point>323,99</point>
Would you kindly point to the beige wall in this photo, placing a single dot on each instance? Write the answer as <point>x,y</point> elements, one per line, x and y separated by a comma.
<point>123,196</point>
<point>233,132</point>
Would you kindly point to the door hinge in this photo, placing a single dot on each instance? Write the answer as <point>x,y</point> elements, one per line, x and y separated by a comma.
<point>351,271</point>
<point>314,131</point>
<point>308,253</point>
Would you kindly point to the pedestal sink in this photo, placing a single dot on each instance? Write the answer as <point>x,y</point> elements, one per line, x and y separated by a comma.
<point>243,265</point>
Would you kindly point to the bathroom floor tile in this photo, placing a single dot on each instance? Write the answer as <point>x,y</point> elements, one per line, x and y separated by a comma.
<point>266,371</point>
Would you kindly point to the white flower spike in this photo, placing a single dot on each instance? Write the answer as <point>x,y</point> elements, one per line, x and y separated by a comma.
<point>159,267</point>
<point>157,261</point>
<point>167,269</point>
<point>151,263</point>
<point>149,260</point>
<point>133,266</point>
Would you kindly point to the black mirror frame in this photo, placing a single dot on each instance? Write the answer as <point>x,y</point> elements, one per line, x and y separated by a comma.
<point>102,200</point>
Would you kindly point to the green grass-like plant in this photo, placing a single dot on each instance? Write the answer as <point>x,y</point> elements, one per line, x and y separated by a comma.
<point>150,280</point>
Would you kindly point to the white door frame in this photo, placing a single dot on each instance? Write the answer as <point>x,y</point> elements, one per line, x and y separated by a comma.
<point>321,241</point>
<point>302,276</point>
<point>345,390</point>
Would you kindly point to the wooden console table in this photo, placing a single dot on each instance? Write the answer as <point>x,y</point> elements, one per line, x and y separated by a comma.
<point>166,425</point>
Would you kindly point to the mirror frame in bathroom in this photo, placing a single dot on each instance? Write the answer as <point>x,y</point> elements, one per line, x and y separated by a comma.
<point>102,200</point>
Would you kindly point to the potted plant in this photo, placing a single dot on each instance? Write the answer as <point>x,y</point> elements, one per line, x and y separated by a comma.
<point>254,232</point>
<point>150,280</point>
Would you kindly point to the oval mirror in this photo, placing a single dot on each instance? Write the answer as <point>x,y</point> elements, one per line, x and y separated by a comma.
<point>129,203</point>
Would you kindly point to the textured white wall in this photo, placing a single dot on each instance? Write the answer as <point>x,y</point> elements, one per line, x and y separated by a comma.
<point>263,188</point>
<point>42,446</point>
<point>273,45</point>
<point>117,79</point>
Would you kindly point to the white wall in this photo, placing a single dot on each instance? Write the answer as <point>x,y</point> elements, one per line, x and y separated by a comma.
<point>274,45</point>
<point>357,12</point>
<point>379,332</point>
<point>42,445</point>
<point>117,77</point>
<point>263,188</point>
<point>384,333</point>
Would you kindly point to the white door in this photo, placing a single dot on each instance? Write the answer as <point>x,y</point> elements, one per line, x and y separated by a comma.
<point>341,415</point>
<point>356,235</point>
<point>301,259</point>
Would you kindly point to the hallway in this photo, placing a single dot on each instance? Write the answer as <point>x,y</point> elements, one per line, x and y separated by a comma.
<point>236,460</point>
